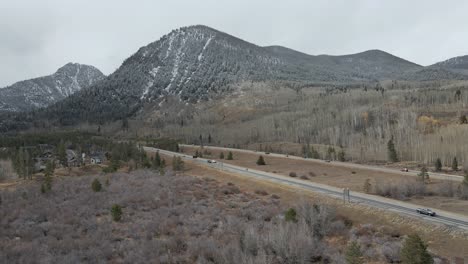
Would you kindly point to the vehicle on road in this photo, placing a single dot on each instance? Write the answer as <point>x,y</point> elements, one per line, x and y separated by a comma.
<point>405,170</point>
<point>426,211</point>
<point>212,161</point>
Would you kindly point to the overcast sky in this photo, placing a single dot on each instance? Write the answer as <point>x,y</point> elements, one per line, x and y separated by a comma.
<point>39,36</point>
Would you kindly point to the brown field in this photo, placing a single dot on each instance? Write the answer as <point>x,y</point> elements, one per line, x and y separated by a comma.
<point>340,177</point>
<point>440,240</point>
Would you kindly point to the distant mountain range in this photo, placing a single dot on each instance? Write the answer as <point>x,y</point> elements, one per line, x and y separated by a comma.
<point>44,91</point>
<point>199,63</point>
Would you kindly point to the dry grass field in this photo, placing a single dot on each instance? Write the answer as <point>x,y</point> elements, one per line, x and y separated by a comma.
<point>353,179</point>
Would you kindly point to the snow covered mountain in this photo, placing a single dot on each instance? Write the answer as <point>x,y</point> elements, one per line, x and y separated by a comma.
<point>199,63</point>
<point>43,91</point>
<point>457,64</point>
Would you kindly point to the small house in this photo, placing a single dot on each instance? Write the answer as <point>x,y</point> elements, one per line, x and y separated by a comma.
<point>96,160</point>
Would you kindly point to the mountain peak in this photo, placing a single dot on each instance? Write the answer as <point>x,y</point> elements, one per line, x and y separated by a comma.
<point>43,91</point>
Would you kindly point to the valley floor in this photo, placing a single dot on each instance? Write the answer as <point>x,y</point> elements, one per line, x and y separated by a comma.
<point>341,176</point>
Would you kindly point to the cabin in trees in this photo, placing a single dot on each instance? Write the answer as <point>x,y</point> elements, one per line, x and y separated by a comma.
<point>96,160</point>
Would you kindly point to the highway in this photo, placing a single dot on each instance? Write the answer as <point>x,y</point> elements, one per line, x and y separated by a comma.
<point>413,173</point>
<point>402,208</point>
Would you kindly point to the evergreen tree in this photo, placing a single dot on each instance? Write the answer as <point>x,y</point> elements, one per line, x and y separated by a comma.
<point>330,153</point>
<point>463,119</point>
<point>177,163</point>
<point>423,175</point>
<point>156,162</point>
<point>261,161</point>
<point>341,156</point>
<point>96,185</point>
<point>116,212</point>
<point>354,254</point>
<point>62,154</point>
<point>392,154</point>
<point>455,164</point>
<point>221,155</point>
<point>290,215</point>
<point>438,165</point>
<point>23,163</point>
<point>314,153</point>
<point>209,138</point>
<point>414,251</point>
<point>125,125</point>
<point>230,156</point>
<point>49,171</point>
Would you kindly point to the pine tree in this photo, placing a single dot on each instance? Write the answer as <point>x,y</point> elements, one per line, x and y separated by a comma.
<point>438,165</point>
<point>221,155</point>
<point>230,156</point>
<point>49,171</point>
<point>209,138</point>
<point>62,154</point>
<point>96,185</point>
<point>423,175</point>
<point>156,161</point>
<point>463,119</point>
<point>177,163</point>
<point>392,154</point>
<point>414,251</point>
<point>354,254</point>
<point>341,156</point>
<point>290,215</point>
<point>455,164</point>
<point>116,212</point>
<point>261,161</point>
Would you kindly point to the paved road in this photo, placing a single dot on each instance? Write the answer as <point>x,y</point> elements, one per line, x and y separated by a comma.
<point>402,208</point>
<point>413,173</point>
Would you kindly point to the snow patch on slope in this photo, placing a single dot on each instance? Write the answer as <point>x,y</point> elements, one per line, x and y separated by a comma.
<point>200,56</point>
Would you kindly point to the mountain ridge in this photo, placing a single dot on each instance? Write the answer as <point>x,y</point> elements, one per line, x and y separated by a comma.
<point>43,91</point>
<point>199,63</point>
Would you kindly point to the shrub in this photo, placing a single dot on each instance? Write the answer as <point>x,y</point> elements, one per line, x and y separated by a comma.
<point>221,155</point>
<point>304,177</point>
<point>116,212</point>
<point>261,161</point>
<point>367,186</point>
<point>261,192</point>
<point>353,172</point>
<point>414,251</point>
<point>291,174</point>
<point>96,185</point>
<point>354,254</point>
<point>230,156</point>
<point>312,174</point>
<point>290,215</point>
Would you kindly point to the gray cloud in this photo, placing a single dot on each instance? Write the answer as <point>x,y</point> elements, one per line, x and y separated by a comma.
<point>37,38</point>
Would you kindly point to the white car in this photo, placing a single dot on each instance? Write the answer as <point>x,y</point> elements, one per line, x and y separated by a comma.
<point>211,161</point>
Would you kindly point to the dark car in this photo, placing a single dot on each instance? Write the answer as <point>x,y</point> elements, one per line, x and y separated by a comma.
<point>426,211</point>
